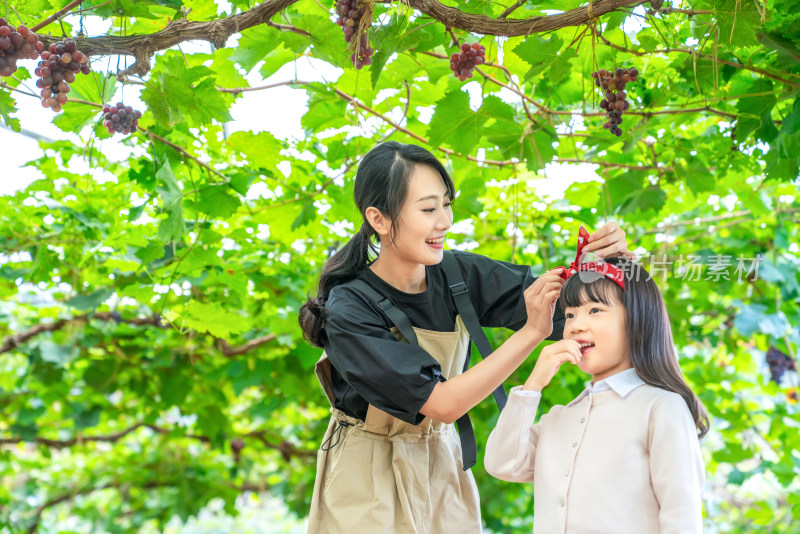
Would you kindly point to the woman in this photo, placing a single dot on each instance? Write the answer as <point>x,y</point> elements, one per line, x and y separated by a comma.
<point>391,460</point>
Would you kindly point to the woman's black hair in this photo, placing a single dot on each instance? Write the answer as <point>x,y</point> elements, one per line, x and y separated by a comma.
<point>381,182</point>
<point>647,325</point>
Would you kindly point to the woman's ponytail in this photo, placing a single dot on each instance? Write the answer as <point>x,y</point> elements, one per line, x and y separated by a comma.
<point>344,265</point>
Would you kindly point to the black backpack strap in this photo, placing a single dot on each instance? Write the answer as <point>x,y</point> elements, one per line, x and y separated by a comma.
<point>398,318</point>
<point>467,311</point>
<point>458,289</point>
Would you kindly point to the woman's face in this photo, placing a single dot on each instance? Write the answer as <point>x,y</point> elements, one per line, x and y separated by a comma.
<point>423,221</point>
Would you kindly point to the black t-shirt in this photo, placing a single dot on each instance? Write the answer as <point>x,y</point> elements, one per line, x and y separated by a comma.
<point>369,365</point>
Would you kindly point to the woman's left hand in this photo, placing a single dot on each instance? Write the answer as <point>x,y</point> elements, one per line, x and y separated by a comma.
<point>608,242</point>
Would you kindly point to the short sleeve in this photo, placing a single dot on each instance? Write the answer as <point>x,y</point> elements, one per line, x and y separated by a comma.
<point>393,376</point>
<point>497,292</point>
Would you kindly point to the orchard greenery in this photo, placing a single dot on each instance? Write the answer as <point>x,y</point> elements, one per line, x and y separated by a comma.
<point>150,356</point>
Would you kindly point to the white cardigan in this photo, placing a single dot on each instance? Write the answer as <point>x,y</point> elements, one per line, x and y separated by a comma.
<point>622,458</point>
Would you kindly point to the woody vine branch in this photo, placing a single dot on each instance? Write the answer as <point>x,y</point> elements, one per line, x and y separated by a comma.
<point>217,32</point>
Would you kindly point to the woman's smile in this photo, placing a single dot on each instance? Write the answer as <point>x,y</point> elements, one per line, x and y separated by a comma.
<point>437,242</point>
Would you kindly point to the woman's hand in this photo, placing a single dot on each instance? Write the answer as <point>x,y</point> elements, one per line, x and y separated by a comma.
<point>540,301</point>
<point>608,242</point>
<point>550,359</point>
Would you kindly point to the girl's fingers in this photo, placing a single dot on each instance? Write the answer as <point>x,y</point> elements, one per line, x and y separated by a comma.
<point>567,349</point>
<point>572,350</point>
<point>562,347</point>
<point>574,358</point>
<point>575,353</point>
<point>567,357</point>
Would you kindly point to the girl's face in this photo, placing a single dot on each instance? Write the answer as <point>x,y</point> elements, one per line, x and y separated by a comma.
<point>600,328</point>
<point>423,221</point>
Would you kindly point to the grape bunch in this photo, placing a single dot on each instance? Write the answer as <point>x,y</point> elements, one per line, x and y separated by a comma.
<point>15,44</point>
<point>355,17</point>
<point>613,83</point>
<point>120,118</point>
<point>364,54</point>
<point>778,363</point>
<point>60,63</point>
<point>464,62</point>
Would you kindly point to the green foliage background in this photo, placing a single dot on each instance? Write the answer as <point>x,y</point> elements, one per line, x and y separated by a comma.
<point>150,358</point>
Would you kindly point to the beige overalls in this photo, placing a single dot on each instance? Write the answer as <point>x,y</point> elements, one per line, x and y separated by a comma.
<point>383,475</point>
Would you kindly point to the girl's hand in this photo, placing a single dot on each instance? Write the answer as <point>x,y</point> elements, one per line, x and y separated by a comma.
<point>540,302</point>
<point>608,242</point>
<point>550,359</point>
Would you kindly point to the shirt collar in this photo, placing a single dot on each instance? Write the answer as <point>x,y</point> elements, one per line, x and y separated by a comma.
<point>622,383</point>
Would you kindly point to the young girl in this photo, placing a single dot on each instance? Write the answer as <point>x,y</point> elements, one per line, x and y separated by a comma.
<point>623,457</point>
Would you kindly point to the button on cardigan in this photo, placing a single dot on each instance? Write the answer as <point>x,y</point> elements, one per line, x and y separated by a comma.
<point>622,458</point>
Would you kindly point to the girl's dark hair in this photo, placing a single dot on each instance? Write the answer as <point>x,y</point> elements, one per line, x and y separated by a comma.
<point>382,182</point>
<point>647,325</point>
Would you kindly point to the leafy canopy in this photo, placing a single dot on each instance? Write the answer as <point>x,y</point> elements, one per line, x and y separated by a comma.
<point>151,359</point>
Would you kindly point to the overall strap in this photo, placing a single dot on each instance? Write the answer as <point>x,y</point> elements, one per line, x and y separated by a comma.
<point>467,311</point>
<point>465,308</point>
<point>398,318</point>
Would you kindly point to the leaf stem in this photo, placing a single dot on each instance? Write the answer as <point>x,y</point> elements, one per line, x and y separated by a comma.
<point>56,15</point>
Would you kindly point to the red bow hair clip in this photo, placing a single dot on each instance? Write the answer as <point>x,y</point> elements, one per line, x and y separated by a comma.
<point>612,272</point>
